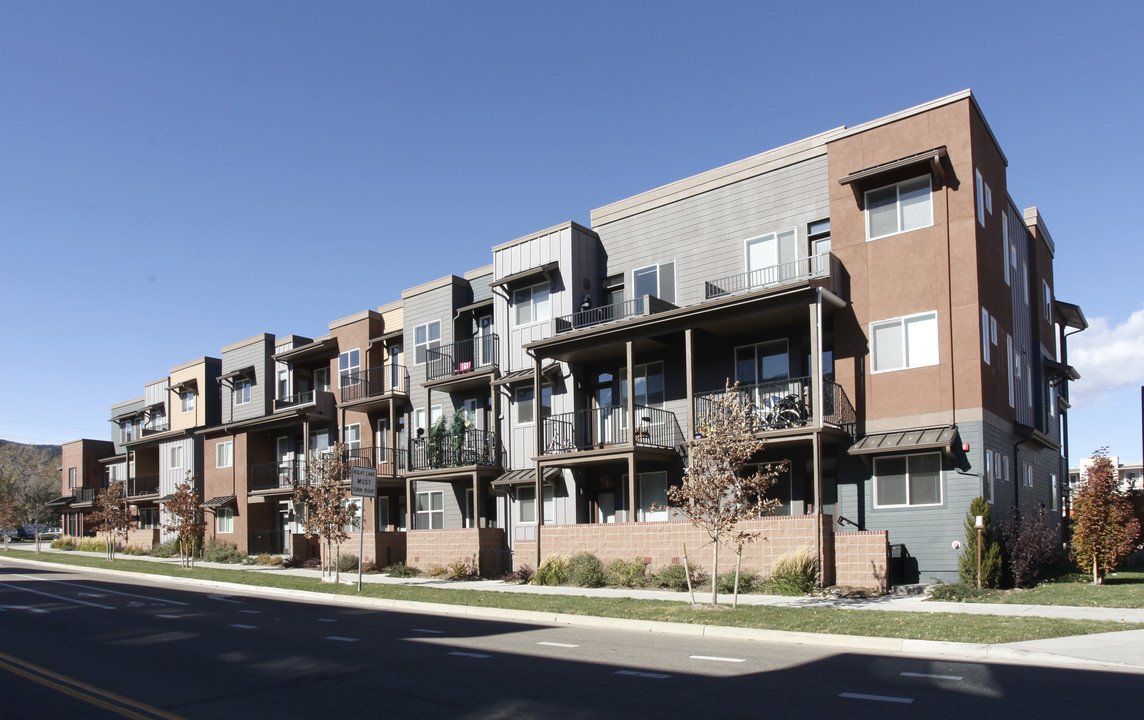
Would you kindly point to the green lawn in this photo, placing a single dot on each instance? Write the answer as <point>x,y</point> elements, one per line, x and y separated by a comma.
<point>1123,590</point>
<point>920,626</point>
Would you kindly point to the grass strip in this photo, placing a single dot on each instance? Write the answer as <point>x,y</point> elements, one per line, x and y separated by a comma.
<point>1124,589</point>
<point>950,627</point>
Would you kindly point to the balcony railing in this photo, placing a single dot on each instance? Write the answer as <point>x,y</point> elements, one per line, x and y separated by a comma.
<point>143,485</point>
<point>788,273</point>
<point>374,382</point>
<point>277,475</point>
<point>636,307</point>
<point>836,408</point>
<point>473,447</point>
<point>156,427</point>
<point>604,427</point>
<point>84,495</point>
<point>784,404</point>
<point>295,400</point>
<point>388,462</point>
<point>463,357</point>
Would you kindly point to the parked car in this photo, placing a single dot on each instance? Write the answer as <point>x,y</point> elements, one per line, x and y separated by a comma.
<point>10,533</point>
<point>28,532</point>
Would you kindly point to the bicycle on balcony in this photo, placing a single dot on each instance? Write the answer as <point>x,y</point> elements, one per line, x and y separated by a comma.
<point>779,413</point>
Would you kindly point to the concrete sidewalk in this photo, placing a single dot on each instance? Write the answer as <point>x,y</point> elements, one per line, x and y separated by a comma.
<point>1123,650</point>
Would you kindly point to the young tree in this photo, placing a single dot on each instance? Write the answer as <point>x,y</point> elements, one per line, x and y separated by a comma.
<point>991,563</point>
<point>185,519</point>
<point>326,510</point>
<point>1104,527</point>
<point>8,518</point>
<point>716,494</point>
<point>112,515</point>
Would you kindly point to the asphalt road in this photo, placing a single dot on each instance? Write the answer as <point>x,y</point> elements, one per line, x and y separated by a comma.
<point>74,645</point>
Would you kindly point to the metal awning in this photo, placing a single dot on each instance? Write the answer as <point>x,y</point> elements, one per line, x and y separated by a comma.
<point>310,351</point>
<point>245,372</point>
<point>519,376</point>
<point>931,157</point>
<point>1060,371</point>
<point>524,477</point>
<point>61,501</point>
<point>191,383</point>
<point>1070,314</point>
<point>936,438</point>
<point>544,270</point>
<point>217,502</point>
<point>166,498</point>
<point>486,303</point>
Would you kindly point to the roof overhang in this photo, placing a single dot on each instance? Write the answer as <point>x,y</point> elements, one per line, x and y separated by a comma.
<point>520,376</point>
<point>217,502</point>
<point>933,160</point>
<point>241,373</point>
<point>546,270</point>
<point>943,438</point>
<point>1055,371</point>
<point>486,303</point>
<point>1071,315</point>
<point>61,501</point>
<point>311,351</point>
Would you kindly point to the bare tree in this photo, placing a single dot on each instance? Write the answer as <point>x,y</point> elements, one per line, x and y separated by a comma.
<point>716,493</point>
<point>185,519</point>
<point>326,511</point>
<point>112,515</point>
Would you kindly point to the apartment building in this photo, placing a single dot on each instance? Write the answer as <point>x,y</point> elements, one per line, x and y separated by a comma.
<point>81,477</point>
<point>874,291</point>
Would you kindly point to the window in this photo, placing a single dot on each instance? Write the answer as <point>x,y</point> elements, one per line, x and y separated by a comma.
<point>382,514</point>
<point>1028,385</point>
<point>648,386</point>
<point>991,468</point>
<point>1025,281</point>
<point>352,435</point>
<point>993,329</point>
<point>526,502</point>
<point>322,379</point>
<point>985,335</point>
<point>283,383</point>
<point>762,362</point>
<point>524,403</point>
<point>430,511</point>
<point>657,280</point>
<point>1027,474</point>
<point>908,480</point>
<point>354,508</point>
<point>905,342</point>
<point>241,392</point>
<point>71,478</point>
<point>149,518</point>
<point>224,454</point>
<point>426,337</point>
<point>899,208</point>
<point>1005,469</point>
<point>187,401</point>
<point>1055,485</point>
<point>419,418</point>
<point>1009,357</point>
<point>349,363</point>
<point>531,303</point>
<point>175,457</point>
<point>653,490</point>
<point>224,520</point>
<point>1005,244</point>
<point>128,428</point>
<point>984,198</point>
<point>1047,301</point>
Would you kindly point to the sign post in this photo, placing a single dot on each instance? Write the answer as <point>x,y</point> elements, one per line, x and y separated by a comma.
<point>363,484</point>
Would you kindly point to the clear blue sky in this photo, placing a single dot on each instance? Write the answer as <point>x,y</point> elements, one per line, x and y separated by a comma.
<point>176,176</point>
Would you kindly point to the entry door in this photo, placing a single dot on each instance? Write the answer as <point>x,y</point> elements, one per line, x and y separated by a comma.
<point>285,461</point>
<point>770,258</point>
<point>603,396</point>
<point>484,350</point>
<point>282,529</point>
<point>606,508</point>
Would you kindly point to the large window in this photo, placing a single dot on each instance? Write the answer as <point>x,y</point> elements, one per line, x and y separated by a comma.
<point>905,342</point>
<point>524,403</point>
<point>353,437</point>
<point>531,303</point>
<point>648,385</point>
<point>71,478</point>
<point>426,337</point>
<point>349,364</point>
<point>175,457</point>
<point>187,401</point>
<point>908,480</point>
<point>526,502</point>
<point>419,419</point>
<point>657,280</point>
<point>899,208</point>
<point>224,520</point>
<point>241,392</point>
<point>224,454</point>
<point>653,491</point>
<point>149,518</point>
<point>430,511</point>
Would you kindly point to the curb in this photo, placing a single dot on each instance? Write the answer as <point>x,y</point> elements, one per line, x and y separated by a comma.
<point>924,648</point>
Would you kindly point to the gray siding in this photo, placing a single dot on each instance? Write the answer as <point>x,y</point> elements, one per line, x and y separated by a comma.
<point>257,354</point>
<point>1020,238</point>
<point>169,477</point>
<point>436,304</point>
<point>117,430</point>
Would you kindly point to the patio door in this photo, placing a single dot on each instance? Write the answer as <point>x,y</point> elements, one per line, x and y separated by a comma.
<point>484,350</point>
<point>605,410</point>
<point>770,258</point>
<point>763,369</point>
<point>606,507</point>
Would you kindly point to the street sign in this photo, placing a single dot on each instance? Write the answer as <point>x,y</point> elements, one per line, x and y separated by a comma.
<point>363,482</point>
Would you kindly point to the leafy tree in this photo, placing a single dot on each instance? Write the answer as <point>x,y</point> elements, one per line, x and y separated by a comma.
<point>112,515</point>
<point>185,519</point>
<point>716,493</point>
<point>1104,526</point>
<point>991,562</point>
<point>326,510</point>
<point>8,517</point>
<point>29,480</point>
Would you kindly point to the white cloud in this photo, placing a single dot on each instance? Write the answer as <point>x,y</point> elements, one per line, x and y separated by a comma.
<point>1107,358</point>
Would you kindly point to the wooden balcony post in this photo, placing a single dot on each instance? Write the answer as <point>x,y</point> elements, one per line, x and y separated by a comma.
<point>687,352</point>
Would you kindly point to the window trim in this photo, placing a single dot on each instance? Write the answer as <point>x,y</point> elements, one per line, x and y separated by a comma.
<point>428,344</point>
<point>518,304</point>
<point>659,273</point>
<point>352,359</point>
<point>229,444</point>
<point>242,392</point>
<point>1047,300</point>
<point>898,207</point>
<point>430,512</point>
<point>221,527</point>
<point>547,503</point>
<point>985,335</point>
<point>902,320</point>
<point>187,401</point>
<point>908,504</point>
<point>171,453</point>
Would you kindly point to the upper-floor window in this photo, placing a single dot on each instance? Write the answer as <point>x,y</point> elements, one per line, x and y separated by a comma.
<point>532,303</point>
<point>1005,245</point>
<point>349,363</point>
<point>283,382</point>
<point>648,386</point>
<point>322,379</point>
<point>421,422</point>
<point>899,208</point>
<point>1047,300</point>
<point>71,478</point>
<point>907,480</point>
<point>353,437</point>
<point>905,342</point>
<point>187,401</point>
<point>985,335</point>
<point>426,337</point>
<point>224,454</point>
<point>525,412</point>
<point>984,198</point>
<point>175,457</point>
<point>242,392</point>
<point>128,428</point>
<point>657,280</point>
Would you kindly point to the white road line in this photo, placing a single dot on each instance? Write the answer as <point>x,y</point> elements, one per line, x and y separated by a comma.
<point>251,612</point>
<point>244,627</point>
<point>563,645</point>
<point>633,673</point>
<point>426,630</point>
<point>326,620</point>
<point>880,698</point>
<point>117,592</point>
<point>223,598</point>
<point>37,611</point>
<point>341,639</point>
<point>716,658</point>
<point>58,597</point>
<point>172,617</point>
<point>471,655</point>
<point>935,677</point>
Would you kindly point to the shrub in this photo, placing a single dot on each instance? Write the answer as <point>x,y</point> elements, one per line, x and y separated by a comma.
<point>220,552</point>
<point>436,571</point>
<point>268,559</point>
<point>748,582</point>
<point>586,570</point>
<point>522,575</point>
<point>370,568</point>
<point>347,563</point>
<point>991,563</point>
<point>627,573</point>
<point>311,563</point>
<point>166,549</point>
<point>134,550</point>
<point>1032,548</point>
<point>401,570</point>
<point>63,543</point>
<point>794,573</point>
<point>959,592</point>
<point>92,544</point>
<point>553,571</point>
<point>674,577</point>
<point>461,570</point>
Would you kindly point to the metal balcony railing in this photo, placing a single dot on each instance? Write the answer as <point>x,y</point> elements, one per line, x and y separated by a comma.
<point>156,427</point>
<point>462,357</point>
<point>277,475</point>
<point>784,404</point>
<point>295,400</point>
<point>373,382</point>
<point>143,485</point>
<point>388,462</point>
<point>636,307</point>
<point>604,427</point>
<point>84,495</point>
<point>472,447</point>
<point>788,273</point>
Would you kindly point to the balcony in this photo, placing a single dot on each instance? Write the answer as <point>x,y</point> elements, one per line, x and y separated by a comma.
<point>463,357</point>
<point>795,272</point>
<point>637,307</point>
<point>322,402</point>
<point>84,496</point>
<point>375,382</point>
<point>471,448</point>
<point>284,475</point>
<point>389,462</point>
<point>155,427</point>
<point>785,405</point>
<point>142,485</point>
<point>606,427</point>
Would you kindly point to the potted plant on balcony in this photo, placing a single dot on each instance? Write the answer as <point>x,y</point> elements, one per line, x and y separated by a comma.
<point>435,443</point>
<point>458,429</point>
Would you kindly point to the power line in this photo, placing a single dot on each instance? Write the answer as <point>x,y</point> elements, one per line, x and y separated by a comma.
<point>62,427</point>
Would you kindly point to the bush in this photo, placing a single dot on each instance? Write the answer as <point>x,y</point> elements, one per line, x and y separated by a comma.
<point>436,571</point>
<point>347,563</point>
<point>748,582</point>
<point>674,577</point>
<point>401,570</point>
<point>370,568</point>
<point>220,552</point>
<point>553,571</point>
<point>627,573</point>
<point>311,563</point>
<point>92,544</point>
<point>991,562</point>
<point>166,549</point>
<point>268,559</point>
<point>522,575</point>
<point>461,570</point>
<point>1031,548</point>
<point>794,573</point>
<point>134,550</point>
<point>63,543</point>
<point>586,570</point>
<point>959,592</point>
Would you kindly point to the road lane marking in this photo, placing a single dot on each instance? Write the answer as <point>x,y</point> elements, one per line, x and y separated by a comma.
<point>338,638</point>
<point>326,620</point>
<point>479,656</point>
<point>224,598</point>
<point>117,592</point>
<point>251,612</point>
<point>244,627</point>
<point>426,630</point>
<point>562,645</point>
<point>879,698</point>
<point>172,617</point>
<point>634,673</point>
<point>716,658</point>
<point>37,611</point>
<point>927,675</point>
<point>58,597</point>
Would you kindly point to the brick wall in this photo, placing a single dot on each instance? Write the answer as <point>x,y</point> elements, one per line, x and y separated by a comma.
<point>145,539</point>
<point>480,546</point>
<point>861,559</point>
<point>379,547</point>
